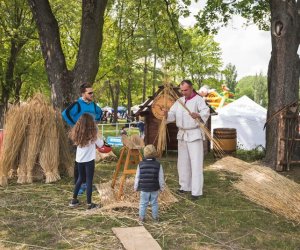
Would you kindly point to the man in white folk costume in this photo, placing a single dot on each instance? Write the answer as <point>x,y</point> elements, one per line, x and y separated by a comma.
<point>190,138</point>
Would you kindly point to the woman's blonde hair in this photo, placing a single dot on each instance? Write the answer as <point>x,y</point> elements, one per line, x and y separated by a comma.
<point>84,132</point>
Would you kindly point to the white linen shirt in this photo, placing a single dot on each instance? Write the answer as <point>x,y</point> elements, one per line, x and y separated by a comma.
<point>189,129</point>
<point>88,153</point>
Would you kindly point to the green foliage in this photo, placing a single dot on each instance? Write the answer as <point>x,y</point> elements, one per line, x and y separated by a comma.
<point>135,33</point>
<point>251,155</point>
<point>217,13</point>
<point>142,42</point>
<point>20,49</point>
<point>68,16</point>
<point>230,74</point>
<point>255,87</point>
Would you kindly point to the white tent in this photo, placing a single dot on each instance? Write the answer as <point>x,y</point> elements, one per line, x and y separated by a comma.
<point>247,117</point>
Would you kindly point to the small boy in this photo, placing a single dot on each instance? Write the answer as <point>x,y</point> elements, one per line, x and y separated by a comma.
<point>149,180</point>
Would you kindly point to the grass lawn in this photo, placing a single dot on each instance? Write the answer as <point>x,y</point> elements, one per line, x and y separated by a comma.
<point>37,216</point>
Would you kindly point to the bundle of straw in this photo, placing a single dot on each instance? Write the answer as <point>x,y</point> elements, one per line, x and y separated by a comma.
<point>265,187</point>
<point>14,133</point>
<point>130,198</point>
<point>105,157</point>
<point>38,108</point>
<point>133,141</point>
<point>49,163</point>
<point>66,163</point>
<point>34,134</point>
<point>162,131</point>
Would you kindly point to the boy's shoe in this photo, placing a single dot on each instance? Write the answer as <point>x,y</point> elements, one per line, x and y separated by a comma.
<point>82,189</point>
<point>74,203</point>
<point>92,206</point>
<point>156,219</point>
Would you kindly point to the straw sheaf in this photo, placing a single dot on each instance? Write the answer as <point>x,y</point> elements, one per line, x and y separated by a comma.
<point>105,157</point>
<point>133,141</point>
<point>168,94</point>
<point>33,139</point>
<point>265,187</point>
<point>50,143</point>
<point>130,199</point>
<point>66,163</point>
<point>16,122</point>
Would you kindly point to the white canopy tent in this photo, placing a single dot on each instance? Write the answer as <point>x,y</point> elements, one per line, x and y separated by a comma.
<point>247,117</point>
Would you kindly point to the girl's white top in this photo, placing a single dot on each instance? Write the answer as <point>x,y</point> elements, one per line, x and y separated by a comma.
<point>88,153</point>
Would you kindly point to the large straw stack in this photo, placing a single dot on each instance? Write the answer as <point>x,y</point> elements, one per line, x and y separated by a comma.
<point>34,134</point>
<point>265,187</point>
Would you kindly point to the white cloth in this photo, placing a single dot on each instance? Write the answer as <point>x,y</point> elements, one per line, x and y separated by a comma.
<point>88,153</point>
<point>188,127</point>
<point>190,143</point>
<point>190,166</point>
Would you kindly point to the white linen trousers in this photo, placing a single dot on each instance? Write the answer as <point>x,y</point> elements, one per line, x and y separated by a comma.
<point>190,166</point>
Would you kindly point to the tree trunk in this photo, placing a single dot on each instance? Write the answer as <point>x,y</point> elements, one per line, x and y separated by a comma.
<point>8,83</point>
<point>129,99</point>
<point>64,83</point>
<point>145,78</point>
<point>283,72</point>
<point>154,74</point>
<point>115,93</point>
<point>91,37</point>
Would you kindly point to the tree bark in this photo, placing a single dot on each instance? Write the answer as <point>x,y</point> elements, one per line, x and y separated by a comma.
<point>283,72</point>
<point>115,94</point>
<point>63,82</point>
<point>145,78</point>
<point>91,37</point>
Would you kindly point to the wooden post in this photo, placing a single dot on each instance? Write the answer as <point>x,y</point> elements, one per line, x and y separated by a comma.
<point>281,143</point>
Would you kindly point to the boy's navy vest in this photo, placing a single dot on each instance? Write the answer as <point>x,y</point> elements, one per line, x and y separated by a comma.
<point>149,175</point>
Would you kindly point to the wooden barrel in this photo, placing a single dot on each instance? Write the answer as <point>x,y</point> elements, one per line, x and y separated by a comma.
<point>227,140</point>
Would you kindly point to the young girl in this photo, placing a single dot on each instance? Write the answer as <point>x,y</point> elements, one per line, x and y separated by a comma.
<point>84,136</point>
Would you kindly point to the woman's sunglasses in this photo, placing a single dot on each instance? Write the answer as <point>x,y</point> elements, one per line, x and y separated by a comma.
<point>90,93</point>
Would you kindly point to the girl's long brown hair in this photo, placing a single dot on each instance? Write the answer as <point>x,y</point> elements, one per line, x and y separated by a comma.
<point>84,132</point>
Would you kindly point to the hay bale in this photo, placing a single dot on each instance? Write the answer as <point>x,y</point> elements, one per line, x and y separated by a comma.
<point>264,186</point>
<point>130,199</point>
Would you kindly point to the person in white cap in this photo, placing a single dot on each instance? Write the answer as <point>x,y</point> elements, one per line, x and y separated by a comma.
<point>190,138</point>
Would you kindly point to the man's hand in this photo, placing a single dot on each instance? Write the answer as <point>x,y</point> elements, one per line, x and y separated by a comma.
<point>165,112</point>
<point>195,115</point>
